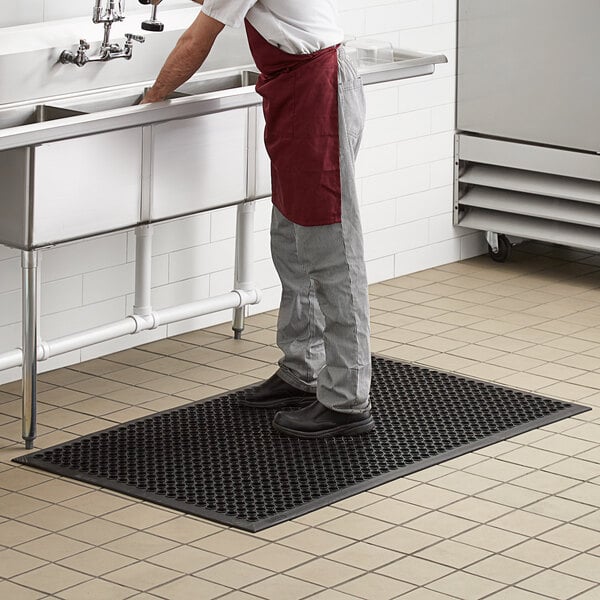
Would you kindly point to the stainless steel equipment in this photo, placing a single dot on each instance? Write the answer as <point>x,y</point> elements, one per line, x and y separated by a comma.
<point>42,195</point>
<point>50,154</point>
<point>528,142</point>
<point>112,12</point>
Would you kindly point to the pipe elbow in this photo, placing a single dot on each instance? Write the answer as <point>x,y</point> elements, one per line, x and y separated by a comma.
<point>43,351</point>
<point>144,322</point>
<point>253,296</point>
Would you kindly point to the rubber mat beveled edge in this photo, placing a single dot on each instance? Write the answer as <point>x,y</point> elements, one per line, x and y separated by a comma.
<point>571,409</point>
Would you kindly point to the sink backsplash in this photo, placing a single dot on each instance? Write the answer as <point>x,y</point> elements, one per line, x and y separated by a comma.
<point>30,71</point>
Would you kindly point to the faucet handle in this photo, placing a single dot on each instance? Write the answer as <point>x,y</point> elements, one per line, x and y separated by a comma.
<point>136,38</point>
<point>83,45</point>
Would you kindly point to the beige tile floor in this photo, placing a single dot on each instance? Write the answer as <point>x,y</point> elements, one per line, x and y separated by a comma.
<point>519,520</point>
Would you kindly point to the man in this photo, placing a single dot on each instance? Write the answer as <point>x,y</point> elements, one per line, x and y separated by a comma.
<point>314,110</point>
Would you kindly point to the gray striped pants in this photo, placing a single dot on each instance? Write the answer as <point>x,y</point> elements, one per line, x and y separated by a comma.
<point>323,325</point>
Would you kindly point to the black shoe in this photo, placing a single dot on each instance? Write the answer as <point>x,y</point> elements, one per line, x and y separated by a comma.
<point>317,421</point>
<point>276,393</point>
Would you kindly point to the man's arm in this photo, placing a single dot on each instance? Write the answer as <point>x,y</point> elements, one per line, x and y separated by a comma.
<point>186,58</point>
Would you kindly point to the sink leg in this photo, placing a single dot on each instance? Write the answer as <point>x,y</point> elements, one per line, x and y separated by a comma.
<point>29,265</point>
<point>238,323</point>
<point>244,260</point>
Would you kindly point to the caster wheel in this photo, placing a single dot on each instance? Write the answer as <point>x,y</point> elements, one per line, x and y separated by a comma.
<point>503,249</point>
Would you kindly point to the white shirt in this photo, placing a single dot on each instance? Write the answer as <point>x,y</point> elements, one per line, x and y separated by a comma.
<point>294,26</point>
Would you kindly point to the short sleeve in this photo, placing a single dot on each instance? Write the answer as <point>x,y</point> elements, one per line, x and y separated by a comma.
<point>228,12</point>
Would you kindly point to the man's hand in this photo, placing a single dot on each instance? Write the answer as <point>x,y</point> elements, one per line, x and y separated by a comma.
<point>151,96</point>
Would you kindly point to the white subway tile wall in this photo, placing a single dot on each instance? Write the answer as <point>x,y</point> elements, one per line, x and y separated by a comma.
<point>21,12</point>
<point>24,12</point>
<point>404,179</point>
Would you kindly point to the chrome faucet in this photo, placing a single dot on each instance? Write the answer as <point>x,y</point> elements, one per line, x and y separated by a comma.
<point>113,11</point>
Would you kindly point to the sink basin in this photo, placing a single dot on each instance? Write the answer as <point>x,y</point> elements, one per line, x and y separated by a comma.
<point>114,109</point>
<point>112,100</point>
<point>102,101</point>
<point>28,115</point>
<point>205,154</point>
<point>200,141</point>
<point>217,84</point>
<point>52,175</point>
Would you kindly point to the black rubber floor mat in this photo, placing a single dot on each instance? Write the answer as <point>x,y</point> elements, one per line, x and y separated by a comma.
<point>226,463</point>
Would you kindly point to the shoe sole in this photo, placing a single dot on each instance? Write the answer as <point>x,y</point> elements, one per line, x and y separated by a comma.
<point>281,403</point>
<point>357,428</point>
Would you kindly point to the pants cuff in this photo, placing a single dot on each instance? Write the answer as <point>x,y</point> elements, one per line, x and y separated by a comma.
<point>294,381</point>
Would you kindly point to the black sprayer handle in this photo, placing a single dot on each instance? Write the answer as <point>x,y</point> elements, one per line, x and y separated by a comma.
<point>152,26</point>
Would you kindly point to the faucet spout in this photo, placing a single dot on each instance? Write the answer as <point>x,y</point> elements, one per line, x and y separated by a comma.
<point>106,39</point>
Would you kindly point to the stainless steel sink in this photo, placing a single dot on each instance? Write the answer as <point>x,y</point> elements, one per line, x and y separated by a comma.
<point>207,154</point>
<point>103,101</point>
<point>110,100</point>
<point>30,115</point>
<point>199,138</point>
<point>113,109</point>
<point>218,84</point>
<point>49,152</point>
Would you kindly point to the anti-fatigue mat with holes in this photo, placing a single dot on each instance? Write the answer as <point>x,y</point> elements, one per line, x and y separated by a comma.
<point>225,462</point>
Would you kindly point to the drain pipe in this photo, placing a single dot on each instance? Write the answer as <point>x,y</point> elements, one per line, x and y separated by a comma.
<point>244,260</point>
<point>143,317</point>
<point>10,360</point>
<point>135,324</point>
<point>142,305</point>
<point>86,338</point>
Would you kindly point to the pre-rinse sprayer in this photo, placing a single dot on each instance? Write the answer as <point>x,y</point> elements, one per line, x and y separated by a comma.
<point>152,24</point>
<point>113,11</point>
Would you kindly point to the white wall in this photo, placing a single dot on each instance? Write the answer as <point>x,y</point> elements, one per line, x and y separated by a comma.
<point>404,178</point>
<point>23,12</point>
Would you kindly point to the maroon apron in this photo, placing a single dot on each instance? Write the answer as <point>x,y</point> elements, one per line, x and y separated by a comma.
<point>300,102</point>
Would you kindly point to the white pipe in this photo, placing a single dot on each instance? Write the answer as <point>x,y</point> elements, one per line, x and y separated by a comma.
<point>244,246</point>
<point>244,260</point>
<point>235,299</point>
<point>134,324</point>
<point>87,338</point>
<point>11,359</point>
<point>143,270</point>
